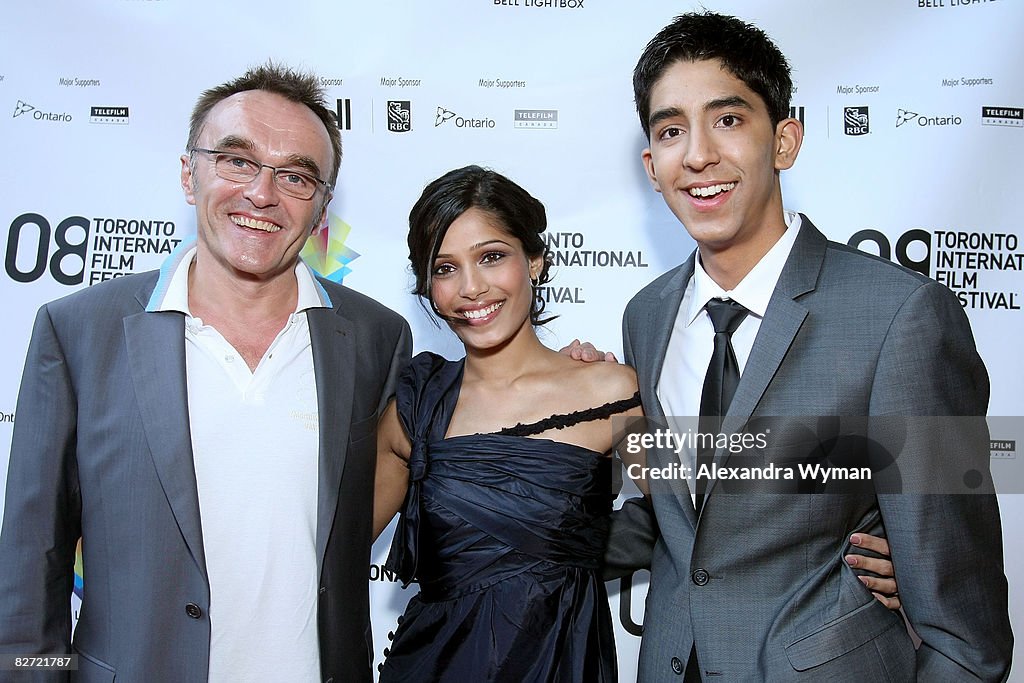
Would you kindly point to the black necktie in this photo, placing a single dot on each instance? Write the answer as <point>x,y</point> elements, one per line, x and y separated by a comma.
<point>720,382</point>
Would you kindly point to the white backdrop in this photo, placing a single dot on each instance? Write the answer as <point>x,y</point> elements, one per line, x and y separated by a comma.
<point>913,123</point>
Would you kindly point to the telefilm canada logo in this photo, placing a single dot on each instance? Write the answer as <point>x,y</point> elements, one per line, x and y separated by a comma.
<point>1003,449</point>
<point>117,116</point>
<point>23,108</point>
<point>536,119</point>
<point>444,115</point>
<point>856,121</point>
<point>399,116</point>
<point>1012,117</point>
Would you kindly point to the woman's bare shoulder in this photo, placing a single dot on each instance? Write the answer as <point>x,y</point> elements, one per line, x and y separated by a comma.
<point>602,382</point>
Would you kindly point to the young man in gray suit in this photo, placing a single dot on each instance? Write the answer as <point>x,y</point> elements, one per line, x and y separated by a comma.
<point>208,430</point>
<point>822,331</point>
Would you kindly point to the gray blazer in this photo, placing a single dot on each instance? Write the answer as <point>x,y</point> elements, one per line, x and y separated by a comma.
<point>759,581</point>
<point>101,449</point>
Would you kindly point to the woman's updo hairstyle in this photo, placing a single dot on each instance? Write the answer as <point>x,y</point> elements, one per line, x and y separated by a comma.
<point>514,209</point>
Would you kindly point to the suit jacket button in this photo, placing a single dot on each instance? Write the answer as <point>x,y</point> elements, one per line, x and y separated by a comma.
<point>677,666</point>
<point>700,577</point>
<point>193,610</point>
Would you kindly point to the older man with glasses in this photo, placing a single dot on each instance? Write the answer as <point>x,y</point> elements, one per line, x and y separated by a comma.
<point>207,430</point>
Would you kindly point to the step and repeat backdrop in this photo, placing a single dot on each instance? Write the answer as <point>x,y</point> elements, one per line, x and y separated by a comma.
<point>913,110</point>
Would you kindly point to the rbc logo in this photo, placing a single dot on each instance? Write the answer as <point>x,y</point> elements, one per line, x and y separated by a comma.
<point>43,258</point>
<point>855,120</point>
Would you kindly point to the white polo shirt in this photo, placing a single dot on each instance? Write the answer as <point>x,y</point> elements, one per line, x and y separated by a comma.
<point>255,441</point>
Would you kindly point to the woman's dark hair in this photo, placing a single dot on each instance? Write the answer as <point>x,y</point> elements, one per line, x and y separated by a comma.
<point>473,187</point>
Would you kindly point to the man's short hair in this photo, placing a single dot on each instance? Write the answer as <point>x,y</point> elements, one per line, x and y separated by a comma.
<point>293,85</point>
<point>744,50</point>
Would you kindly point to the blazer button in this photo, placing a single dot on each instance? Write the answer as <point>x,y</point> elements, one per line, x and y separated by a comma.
<point>677,666</point>
<point>193,610</point>
<point>700,577</point>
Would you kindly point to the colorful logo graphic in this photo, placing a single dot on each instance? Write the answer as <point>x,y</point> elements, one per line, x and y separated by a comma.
<point>78,570</point>
<point>326,253</point>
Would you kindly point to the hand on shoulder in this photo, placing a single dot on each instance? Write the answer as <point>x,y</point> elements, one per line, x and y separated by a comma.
<point>607,382</point>
<point>586,352</point>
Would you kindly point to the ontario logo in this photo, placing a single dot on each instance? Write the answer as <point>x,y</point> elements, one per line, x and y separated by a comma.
<point>325,251</point>
<point>444,115</point>
<point>23,108</point>
<point>905,116</point>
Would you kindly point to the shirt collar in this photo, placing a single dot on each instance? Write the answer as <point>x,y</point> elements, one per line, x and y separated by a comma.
<point>171,291</point>
<point>755,290</point>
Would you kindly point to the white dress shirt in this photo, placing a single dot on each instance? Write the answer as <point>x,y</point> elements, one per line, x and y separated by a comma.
<point>692,341</point>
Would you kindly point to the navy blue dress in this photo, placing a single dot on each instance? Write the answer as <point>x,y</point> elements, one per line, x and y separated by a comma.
<point>505,535</point>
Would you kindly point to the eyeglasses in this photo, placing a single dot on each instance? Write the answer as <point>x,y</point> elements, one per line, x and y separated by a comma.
<point>240,169</point>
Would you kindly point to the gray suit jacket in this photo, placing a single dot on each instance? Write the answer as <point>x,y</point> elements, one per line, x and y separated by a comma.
<point>101,449</point>
<point>759,581</point>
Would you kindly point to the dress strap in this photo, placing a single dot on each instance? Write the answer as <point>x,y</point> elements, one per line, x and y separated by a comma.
<point>569,419</point>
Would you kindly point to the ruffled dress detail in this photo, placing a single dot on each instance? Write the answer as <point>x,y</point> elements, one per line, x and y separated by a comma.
<point>505,535</point>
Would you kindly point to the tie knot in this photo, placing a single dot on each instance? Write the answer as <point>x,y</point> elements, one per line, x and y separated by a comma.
<point>726,315</point>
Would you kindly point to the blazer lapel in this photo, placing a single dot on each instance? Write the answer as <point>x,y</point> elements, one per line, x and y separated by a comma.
<point>333,361</point>
<point>659,317</point>
<point>782,321</point>
<point>155,342</point>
